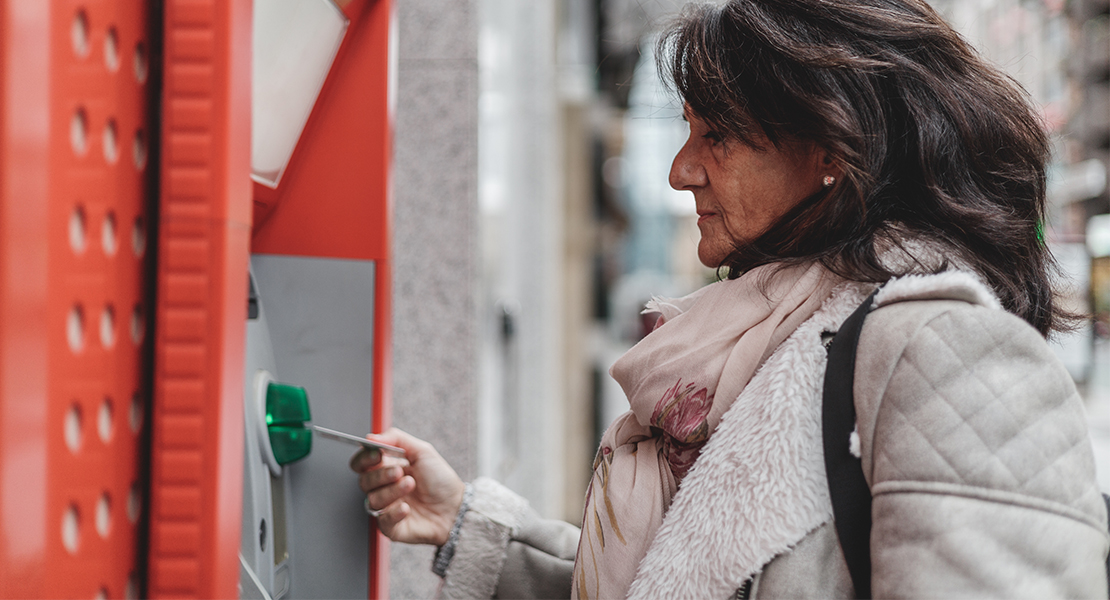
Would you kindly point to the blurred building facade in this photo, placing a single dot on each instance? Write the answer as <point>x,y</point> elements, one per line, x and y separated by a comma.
<point>1089,128</point>
<point>1059,51</point>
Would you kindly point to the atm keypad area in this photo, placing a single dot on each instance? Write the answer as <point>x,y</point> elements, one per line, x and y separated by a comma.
<point>309,360</point>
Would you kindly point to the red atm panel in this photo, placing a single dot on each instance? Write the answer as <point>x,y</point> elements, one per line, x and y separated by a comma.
<point>74,220</point>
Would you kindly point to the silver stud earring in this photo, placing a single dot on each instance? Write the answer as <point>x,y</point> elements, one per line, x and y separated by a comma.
<point>828,181</point>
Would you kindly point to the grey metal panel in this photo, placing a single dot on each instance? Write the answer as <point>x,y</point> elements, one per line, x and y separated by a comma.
<point>320,314</point>
<point>257,498</point>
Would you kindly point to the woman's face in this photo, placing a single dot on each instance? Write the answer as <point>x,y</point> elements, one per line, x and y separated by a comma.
<point>739,190</point>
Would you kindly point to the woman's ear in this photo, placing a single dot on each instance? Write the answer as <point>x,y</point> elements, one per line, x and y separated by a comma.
<point>825,164</point>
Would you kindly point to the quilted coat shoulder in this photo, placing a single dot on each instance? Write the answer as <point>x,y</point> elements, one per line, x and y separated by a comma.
<point>974,442</point>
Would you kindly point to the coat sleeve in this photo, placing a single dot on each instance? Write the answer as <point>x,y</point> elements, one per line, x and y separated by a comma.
<point>974,442</point>
<point>506,550</point>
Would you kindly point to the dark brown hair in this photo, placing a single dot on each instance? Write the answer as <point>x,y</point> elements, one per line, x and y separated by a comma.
<point>931,141</point>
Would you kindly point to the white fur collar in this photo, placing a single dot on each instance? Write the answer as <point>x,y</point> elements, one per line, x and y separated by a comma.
<point>950,285</point>
<point>759,486</point>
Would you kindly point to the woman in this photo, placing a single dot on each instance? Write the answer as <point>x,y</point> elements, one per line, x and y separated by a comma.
<point>835,145</point>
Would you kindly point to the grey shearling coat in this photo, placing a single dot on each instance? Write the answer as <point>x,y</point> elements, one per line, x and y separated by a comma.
<point>972,438</point>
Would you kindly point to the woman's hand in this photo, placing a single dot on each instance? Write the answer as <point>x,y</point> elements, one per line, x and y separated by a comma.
<point>418,495</point>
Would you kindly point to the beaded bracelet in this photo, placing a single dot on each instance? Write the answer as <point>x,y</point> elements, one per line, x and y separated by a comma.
<point>446,552</point>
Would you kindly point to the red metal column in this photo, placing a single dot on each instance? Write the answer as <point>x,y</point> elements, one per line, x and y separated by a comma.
<point>197,463</point>
<point>73,225</point>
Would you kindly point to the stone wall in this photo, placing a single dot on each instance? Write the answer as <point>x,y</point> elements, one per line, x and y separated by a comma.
<point>434,246</point>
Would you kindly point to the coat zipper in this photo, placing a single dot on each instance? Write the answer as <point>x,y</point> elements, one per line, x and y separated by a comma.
<point>745,591</point>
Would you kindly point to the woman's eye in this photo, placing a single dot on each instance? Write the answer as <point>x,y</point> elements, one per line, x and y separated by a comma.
<point>714,137</point>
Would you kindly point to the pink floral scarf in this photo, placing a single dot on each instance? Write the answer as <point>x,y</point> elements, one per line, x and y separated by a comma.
<point>680,380</point>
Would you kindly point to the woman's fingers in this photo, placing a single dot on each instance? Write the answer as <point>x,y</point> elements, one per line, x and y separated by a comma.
<point>389,519</point>
<point>364,463</point>
<point>365,459</point>
<point>370,480</point>
<point>383,496</point>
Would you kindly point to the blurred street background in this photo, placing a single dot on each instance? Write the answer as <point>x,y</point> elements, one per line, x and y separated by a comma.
<point>521,267</point>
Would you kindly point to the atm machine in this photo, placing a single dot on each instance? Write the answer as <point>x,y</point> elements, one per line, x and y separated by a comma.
<point>317,329</point>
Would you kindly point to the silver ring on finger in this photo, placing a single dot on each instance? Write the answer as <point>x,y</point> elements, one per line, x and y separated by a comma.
<point>370,511</point>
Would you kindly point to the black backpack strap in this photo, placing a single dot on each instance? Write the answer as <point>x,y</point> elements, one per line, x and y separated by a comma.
<point>1106,500</point>
<point>851,498</point>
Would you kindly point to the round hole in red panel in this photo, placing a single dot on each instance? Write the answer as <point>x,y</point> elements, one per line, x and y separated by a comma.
<point>141,63</point>
<point>78,230</point>
<point>104,515</point>
<point>108,327</point>
<point>132,590</point>
<point>111,142</point>
<point>138,237</point>
<point>111,50</point>
<point>79,34</point>
<point>104,423</point>
<point>137,324</point>
<point>75,328</point>
<point>71,529</point>
<point>108,238</point>
<point>138,150</point>
<point>79,132</point>
<point>71,428</point>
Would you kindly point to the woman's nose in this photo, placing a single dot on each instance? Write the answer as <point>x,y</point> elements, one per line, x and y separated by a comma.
<point>686,172</point>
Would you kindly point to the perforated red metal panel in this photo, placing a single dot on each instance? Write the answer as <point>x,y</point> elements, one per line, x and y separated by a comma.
<point>197,454</point>
<point>73,229</point>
